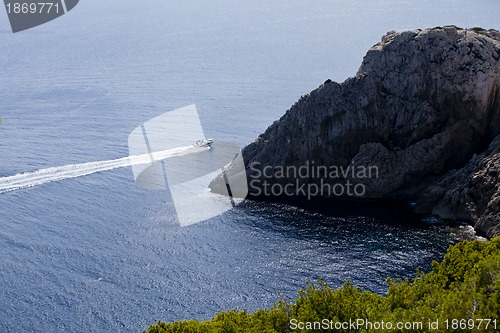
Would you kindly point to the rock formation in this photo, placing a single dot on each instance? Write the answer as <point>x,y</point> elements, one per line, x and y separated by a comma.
<point>423,109</point>
<point>470,193</point>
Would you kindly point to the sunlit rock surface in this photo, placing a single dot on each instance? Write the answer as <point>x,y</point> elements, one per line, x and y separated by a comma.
<point>423,108</point>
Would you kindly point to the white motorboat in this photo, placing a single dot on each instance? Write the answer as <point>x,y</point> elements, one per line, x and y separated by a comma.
<point>204,143</point>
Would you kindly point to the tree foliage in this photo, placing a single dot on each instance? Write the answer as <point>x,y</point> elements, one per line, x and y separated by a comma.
<point>459,293</point>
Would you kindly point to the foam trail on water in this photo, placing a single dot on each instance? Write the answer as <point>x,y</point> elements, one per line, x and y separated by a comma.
<point>43,176</point>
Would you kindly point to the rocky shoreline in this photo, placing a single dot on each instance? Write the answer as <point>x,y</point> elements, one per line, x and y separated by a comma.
<point>423,109</point>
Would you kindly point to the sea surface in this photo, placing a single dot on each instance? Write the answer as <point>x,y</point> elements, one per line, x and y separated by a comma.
<point>91,251</point>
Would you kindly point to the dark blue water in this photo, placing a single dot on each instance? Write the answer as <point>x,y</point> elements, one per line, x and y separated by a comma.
<point>96,253</point>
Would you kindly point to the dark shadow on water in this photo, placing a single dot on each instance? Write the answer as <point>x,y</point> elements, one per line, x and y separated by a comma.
<point>364,242</point>
<point>385,211</point>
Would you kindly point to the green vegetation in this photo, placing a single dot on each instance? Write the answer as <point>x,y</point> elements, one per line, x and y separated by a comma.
<point>447,26</point>
<point>463,289</point>
<point>485,32</point>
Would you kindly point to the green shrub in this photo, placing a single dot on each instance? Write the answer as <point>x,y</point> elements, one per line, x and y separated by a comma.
<point>463,289</point>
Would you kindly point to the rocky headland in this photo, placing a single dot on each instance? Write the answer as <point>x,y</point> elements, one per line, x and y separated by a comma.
<point>423,110</point>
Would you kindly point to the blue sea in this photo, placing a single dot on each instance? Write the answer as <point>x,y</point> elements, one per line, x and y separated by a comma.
<point>97,253</point>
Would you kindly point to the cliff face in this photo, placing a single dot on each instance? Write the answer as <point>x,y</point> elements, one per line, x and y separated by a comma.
<point>423,109</point>
<point>470,193</point>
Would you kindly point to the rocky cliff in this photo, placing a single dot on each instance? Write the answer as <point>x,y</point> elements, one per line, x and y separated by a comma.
<point>422,113</point>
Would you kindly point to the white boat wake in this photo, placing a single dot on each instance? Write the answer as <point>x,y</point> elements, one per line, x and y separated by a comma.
<point>43,176</point>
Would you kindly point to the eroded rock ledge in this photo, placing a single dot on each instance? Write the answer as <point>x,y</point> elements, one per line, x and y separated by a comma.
<point>424,108</point>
